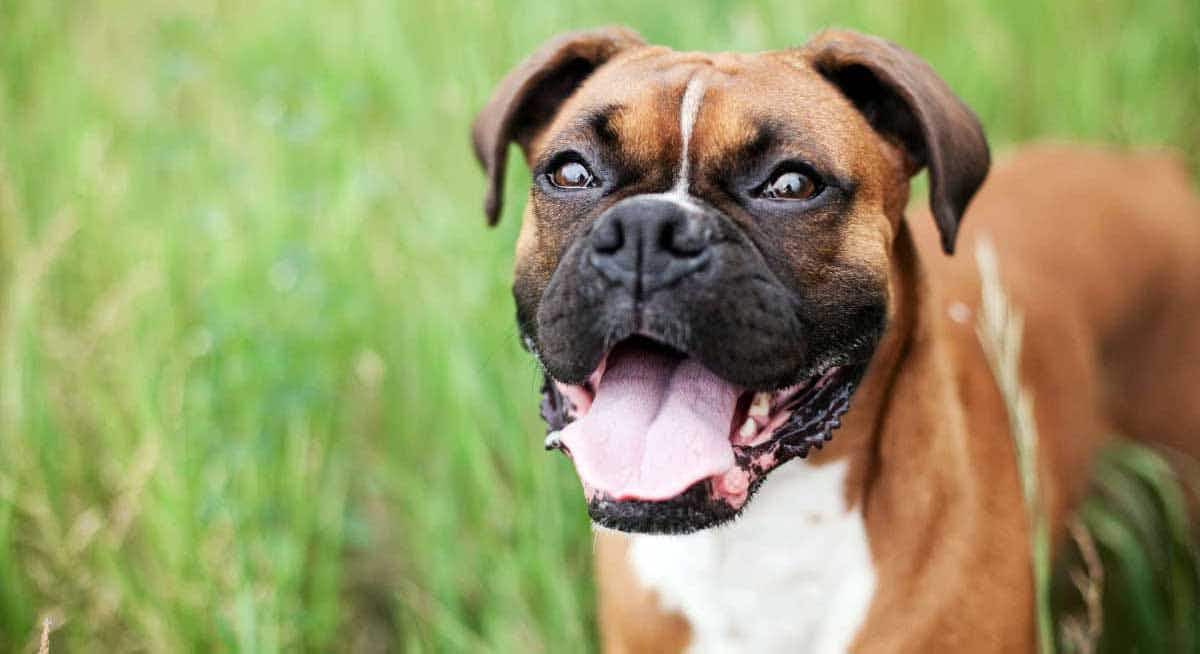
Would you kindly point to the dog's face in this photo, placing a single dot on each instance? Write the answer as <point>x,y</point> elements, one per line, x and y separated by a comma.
<point>703,268</point>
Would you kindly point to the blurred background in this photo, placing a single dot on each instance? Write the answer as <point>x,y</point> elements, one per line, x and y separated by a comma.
<point>260,387</point>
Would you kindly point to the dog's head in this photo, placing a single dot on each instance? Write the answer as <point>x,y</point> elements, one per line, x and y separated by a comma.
<point>703,268</point>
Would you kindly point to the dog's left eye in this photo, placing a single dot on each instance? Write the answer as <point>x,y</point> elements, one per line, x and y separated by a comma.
<point>790,185</point>
<point>572,174</point>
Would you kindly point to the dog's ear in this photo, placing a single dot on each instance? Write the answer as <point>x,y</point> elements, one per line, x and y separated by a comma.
<point>908,104</point>
<point>530,95</point>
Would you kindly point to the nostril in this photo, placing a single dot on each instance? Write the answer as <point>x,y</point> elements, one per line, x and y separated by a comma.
<point>608,237</point>
<point>682,238</point>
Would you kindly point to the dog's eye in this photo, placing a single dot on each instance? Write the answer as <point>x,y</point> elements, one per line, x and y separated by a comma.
<point>572,174</point>
<point>791,185</point>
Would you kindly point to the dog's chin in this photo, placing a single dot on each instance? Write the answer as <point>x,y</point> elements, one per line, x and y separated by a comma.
<point>663,445</point>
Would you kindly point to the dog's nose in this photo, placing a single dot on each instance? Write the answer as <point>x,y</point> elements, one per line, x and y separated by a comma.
<point>646,244</point>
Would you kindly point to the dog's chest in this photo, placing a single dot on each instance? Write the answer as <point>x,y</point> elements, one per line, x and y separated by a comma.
<point>793,574</point>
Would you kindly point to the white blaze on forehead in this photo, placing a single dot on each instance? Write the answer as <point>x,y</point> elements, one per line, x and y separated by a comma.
<point>689,108</point>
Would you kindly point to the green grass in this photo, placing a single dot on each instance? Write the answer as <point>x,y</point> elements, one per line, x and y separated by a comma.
<point>260,388</point>
<point>1145,544</point>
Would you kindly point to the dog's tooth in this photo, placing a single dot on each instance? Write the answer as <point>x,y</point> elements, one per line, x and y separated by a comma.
<point>748,428</point>
<point>761,405</point>
<point>553,441</point>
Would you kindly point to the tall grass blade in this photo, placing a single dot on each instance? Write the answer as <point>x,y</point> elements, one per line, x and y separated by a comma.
<point>999,329</point>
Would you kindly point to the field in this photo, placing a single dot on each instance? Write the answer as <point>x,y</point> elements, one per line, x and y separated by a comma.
<point>260,387</point>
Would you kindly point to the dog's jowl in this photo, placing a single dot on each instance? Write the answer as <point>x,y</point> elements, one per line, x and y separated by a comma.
<point>717,277</point>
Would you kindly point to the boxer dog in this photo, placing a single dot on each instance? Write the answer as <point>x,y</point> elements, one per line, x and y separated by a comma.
<point>716,275</point>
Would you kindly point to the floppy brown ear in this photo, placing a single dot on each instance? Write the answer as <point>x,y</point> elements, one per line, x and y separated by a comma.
<point>528,97</point>
<point>907,103</point>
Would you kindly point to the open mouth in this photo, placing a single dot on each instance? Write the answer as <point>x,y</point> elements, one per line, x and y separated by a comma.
<point>663,445</point>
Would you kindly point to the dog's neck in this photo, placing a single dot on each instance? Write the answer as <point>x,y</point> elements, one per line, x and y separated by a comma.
<point>913,463</point>
<point>889,464</point>
<point>858,441</point>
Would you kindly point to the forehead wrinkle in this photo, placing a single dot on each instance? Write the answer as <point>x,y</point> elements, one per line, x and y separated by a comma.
<point>797,98</point>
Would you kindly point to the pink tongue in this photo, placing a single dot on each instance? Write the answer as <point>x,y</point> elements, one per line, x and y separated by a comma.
<point>658,425</point>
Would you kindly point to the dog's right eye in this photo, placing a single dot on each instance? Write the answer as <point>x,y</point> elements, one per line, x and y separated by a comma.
<point>572,175</point>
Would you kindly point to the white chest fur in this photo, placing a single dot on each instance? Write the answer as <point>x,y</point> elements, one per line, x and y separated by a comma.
<point>793,574</point>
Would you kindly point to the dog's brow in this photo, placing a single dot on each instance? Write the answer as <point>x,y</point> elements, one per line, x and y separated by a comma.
<point>766,135</point>
<point>772,136</point>
<point>600,122</point>
<point>593,125</point>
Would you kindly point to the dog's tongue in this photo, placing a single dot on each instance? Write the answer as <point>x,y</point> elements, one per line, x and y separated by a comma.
<point>658,424</point>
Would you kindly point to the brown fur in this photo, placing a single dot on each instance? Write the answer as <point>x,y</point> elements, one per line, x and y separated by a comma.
<point>1098,249</point>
